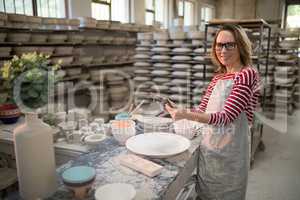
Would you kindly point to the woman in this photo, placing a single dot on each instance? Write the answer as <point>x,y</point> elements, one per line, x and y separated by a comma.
<point>227,107</point>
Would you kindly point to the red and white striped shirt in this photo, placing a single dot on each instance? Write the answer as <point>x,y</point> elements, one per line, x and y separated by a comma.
<point>243,96</point>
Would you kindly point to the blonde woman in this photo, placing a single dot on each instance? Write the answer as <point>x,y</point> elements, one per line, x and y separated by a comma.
<point>227,107</point>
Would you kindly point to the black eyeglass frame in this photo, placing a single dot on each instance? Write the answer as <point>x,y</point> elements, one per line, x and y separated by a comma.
<point>228,46</point>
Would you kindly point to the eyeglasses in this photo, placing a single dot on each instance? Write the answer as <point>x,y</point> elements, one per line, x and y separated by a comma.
<point>228,46</point>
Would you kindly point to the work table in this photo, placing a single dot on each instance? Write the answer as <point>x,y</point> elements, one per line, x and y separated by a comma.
<point>167,185</point>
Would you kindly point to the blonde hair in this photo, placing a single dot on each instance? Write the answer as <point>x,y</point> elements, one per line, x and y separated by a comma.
<point>243,44</point>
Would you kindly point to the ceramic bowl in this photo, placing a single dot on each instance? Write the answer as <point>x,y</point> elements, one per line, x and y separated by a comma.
<point>79,179</point>
<point>73,71</point>
<point>18,37</point>
<point>178,35</point>
<point>46,50</point>
<point>63,50</point>
<point>122,130</point>
<point>186,128</point>
<point>144,36</point>
<point>9,113</point>
<point>85,60</point>
<point>39,38</point>
<point>108,192</point>
<point>3,37</point>
<point>22,50</point>
<point>76,38</point>
<point>57,38</point>
<point>5,51</point>
<point>62,60</point>
<point>94,139</point>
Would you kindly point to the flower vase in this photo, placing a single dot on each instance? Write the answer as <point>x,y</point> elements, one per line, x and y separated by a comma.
<point>35,158</point>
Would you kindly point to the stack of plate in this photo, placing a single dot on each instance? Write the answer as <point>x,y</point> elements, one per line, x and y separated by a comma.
<point>143,67</point>
<point>100,99</point>
<point>118,90</point>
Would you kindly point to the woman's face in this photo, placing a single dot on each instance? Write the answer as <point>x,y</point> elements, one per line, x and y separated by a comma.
<point>227,50</point>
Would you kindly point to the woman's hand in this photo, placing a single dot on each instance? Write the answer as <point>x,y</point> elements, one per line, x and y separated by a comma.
<point>176,113</point>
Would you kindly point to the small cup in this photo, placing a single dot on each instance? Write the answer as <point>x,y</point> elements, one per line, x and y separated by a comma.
<point>82,123</point>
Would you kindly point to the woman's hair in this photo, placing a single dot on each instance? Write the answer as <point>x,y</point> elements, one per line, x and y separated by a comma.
<point>243,44</point>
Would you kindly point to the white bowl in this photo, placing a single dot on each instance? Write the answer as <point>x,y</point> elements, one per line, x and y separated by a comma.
<point>185,128</point>
<point>121,134</point>
<point>115,191</point>
<point>94,139</point>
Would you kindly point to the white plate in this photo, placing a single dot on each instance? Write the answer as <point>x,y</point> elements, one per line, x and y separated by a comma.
<point>182,50</point>
<point>115,191</point>
<point>160,72</point>
<point>162,65</point>
<point>199,58</point>
<point>141,78</point>
<point>142,49</point>
<point>141,56</point>
<point>160,57</point>
<point>181,58</point>
<point>180,74</point>
<point>141,64</point>
<point>161,80</point>
<point>199,50</point>
<point>181,66</point>
<point>179,81</point>
<point>158,144</point>
<point>160,49</point>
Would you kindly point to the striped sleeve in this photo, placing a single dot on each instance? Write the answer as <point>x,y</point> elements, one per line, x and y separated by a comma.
<point>239,98</point>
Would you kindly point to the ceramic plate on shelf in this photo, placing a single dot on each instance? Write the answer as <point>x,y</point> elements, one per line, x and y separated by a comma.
<point>160,57</point>
<point>160,49</point>
<point>198,67</point>
<point>181,58</point>
<point>158,144</point>
<point>179,81</point>
<point>142,64</point>
<point>180,74</point>
<point>179,90</point>
<point>142,71</point>
<point>198,75</point>
<point>115,191</point>
<point>199,50</point>
<point>160,72</point>
<point>162,65</point>
<point>182,50</point>
<point>159,87</point>
<point>141,56</point>
<point>141,78</point>
<point>142,49</point>
<point>199,58</point>
<point>181,66</point>
<point>161,80</point>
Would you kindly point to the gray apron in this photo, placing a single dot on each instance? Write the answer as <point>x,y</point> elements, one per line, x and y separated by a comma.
<point>224,153</point>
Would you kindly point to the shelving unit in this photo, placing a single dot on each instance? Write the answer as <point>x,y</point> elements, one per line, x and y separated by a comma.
<point>112,49</point>
<point>258,31</point>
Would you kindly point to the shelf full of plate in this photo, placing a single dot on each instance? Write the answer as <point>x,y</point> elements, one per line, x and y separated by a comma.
<point>287,71</point>
<point>170,63</point>
<point>84,47</point>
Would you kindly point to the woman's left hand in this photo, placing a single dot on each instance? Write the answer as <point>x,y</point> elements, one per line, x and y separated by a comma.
<point>176,114</point>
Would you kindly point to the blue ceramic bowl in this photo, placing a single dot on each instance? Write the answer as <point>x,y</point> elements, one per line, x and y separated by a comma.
<point>79,175</point>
